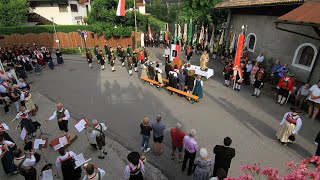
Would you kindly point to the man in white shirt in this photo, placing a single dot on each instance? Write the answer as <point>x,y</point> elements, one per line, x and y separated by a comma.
<point>314,101</point>
<point>63,159</point>
<point>167,53</point>
<point>135,169</point>
<point>93,172</point>
<point>62,116</point>
<point>25,165</point>
<point>98,134</point>
<point>247,72</point>
<point>260,58</point>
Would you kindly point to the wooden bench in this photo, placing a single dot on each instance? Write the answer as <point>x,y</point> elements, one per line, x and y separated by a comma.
<point>191,96</point>
<point>166,81</point>
<point>153,82</point>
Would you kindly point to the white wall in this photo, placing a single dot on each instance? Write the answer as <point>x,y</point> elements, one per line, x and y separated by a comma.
<point>65,18</point>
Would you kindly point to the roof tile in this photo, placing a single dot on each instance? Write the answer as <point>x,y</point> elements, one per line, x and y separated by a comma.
<point>248,3</point>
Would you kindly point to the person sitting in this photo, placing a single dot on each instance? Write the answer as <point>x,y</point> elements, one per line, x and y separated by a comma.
<point>302,96</point>
<point>282,71</point>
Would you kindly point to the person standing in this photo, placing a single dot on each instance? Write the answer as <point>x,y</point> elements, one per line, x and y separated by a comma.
<point>121,56</point>
<point>151,72</point>
<point>253,73</point>
<point>37,68</point>
<point>197,88</point>
<point>145,131</point>
<point>247,72</point>
<point>93,172</point>
<point>106,48</point>
<point>191,148</point>
<point>98,134</point>
<point>202,166</point>
<point>260,58</point>
<point>135,61</point>
<point>302,96</point>
<point>223,156</point>
<point>289,126</point>
<point>100,57</point>
<point>47,56</point>
<point>62,116</point>
<point>25,165</point>
<point>158,134</point>
<point>26,121</point>
<point>190,81</point>
<point>158,76</point>
<point>285,87</point>
<point>112,60</point>
<point>6,154</point>
<point>227,73</point>
<point>167,54</point>
<point>59,57</point>
<point>89,58</point>
<point>181,80</point>
<point>65,164</point>
<point>95,51</point>
<point>258,82</point>
<point>15,96</point>
<point>314,101</point>
<point>135,169</point>
<point>317,142</point>
<point>177,136</point>
<point>189,52</point>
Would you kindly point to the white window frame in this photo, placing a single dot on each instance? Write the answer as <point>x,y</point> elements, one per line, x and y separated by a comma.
<point>248,40</point>
<point>297,54</point>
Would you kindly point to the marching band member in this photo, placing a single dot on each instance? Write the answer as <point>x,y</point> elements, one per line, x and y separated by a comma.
<point>6,154</point>
<point>26,122</point>
<point>65,164</point>
<point>62,116</point>
<point>25,165</point>
<point>112,60</point>
<point>227,73</point>
<point>89,58</point>
<point>93,172</point>
<point>98,134</point>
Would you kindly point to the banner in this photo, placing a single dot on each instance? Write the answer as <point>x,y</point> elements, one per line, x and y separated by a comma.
<point>238,55</point>
<point>221,38</point>
<point>149,33</point>
<point>206,39</point>
<point>233,42</point>
<point>194,36</point>
<point>190,32</point>
<point>167,33</point>
<point>201,36</point>
<point>211,44</point>
<point>121,9</point>
<point>185,33</point>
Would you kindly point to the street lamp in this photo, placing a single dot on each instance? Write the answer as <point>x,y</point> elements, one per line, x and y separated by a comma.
<point>55,31</point>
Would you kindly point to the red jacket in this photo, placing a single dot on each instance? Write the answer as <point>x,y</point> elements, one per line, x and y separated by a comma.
<point>286,82</point>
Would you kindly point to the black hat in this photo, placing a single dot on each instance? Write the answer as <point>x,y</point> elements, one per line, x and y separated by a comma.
<point>134,158</point>
<point>292,138</point>
<point>296,110</point>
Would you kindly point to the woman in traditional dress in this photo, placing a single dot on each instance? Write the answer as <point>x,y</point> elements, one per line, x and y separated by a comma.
<point>197,89</point>
<point>40,59</point>
<point>202,165</point>
<point>26,121</point>
<point>144,71</point>
<point>6,154</point>
<point>158,74</point>
<point>28,100</point>
<point>190,81</point>
<point>289,126</point>
<point>59,57</point>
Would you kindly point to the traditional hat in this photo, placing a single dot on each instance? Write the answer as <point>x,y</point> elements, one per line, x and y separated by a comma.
<point>191,72</point>
<point>296,110</point>
<point>134,158</point>
<point>289,74</point>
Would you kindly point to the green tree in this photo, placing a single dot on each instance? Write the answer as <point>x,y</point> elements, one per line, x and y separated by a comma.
<point>13,12</point>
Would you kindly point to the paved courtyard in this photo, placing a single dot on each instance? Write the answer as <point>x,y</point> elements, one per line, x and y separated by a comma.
<point>122,101</point>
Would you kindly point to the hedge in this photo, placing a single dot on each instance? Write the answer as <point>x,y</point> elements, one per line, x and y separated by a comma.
<point>43,29</point>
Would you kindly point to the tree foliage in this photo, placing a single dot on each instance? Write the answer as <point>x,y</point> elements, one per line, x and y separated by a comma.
<point>164,12</point>
<point>104,20</point>
<point>13,12</point>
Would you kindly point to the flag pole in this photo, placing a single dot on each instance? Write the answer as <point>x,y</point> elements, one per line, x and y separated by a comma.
<point>135,25</point>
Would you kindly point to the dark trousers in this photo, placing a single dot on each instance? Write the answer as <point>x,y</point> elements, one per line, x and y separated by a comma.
<point>214,174</point>
<point>188,156</point>
<point>318,150</point>
<point>299,101</point>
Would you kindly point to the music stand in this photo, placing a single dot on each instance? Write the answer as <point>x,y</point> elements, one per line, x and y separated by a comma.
<point>45,145</point>
<point>81,125</point>
<point>41,133</point>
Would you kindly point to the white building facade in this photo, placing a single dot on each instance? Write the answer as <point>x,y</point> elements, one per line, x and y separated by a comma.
<point>63,12</point>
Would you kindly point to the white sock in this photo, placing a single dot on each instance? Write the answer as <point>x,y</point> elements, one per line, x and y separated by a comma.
<point>236,86</point>
<point>239,86</point>
<point>130,71</point>
<point>122,64</point>
<point>255,91</point>
<point>258,92</point>
<point>135,69</point>
<point>228,82</point>
<point>279,98</point>
<point>112,68</point>
<point>283,100</point>
<point>225,82</point>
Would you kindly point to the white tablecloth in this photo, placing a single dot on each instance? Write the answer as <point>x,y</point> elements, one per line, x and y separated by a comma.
<point>198,71</point>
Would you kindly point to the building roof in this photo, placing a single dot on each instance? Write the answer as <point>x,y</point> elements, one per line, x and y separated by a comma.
<point>252,3</point>
<point>308,12</point>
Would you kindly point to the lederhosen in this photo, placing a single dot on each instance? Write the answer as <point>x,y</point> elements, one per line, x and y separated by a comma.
<point>121,56</point>
<point>28,174</point>
<point>283,89</point>
<point>135,61</point>
<point>227,72</point>
<point>259,79</point>
<point>63,125</point>
<point>136,174</point>
<point>89,57</point>
<point>101,142</point>
<point>112,60</point>
<point>129,59</point>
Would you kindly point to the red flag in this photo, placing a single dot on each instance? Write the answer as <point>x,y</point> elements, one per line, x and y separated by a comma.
<point>121,10</point>
<point>167,33</point>
<point>236,63</point>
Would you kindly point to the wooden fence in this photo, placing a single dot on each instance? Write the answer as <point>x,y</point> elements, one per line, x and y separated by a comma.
<point>67,40</point>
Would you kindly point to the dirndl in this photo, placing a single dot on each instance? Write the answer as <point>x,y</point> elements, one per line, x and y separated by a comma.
<point>285,131</point>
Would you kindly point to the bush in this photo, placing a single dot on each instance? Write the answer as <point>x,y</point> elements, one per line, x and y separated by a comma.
<point>43,29</point>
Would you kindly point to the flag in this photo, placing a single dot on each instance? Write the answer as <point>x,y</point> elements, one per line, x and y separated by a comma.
<point>167,33</point>
<point>211,44</point>
<point>233,42</point>
<point>149,33</point>
<point>229,40</point>
<point>175,38</point>
<point>221,38</point>
<point>206,39</point>
<point>185,33</point>
<point>121,9</point>
<point>236,64</point>
<point>194,39</point>
<point>179,33</point>
<point>201,36</point>
<point>190,32</point>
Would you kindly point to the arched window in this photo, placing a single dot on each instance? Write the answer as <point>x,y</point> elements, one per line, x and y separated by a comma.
<point>305,56</point>
<point>251,42</point>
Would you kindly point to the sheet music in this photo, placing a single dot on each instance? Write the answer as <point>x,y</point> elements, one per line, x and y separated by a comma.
<point>79,160</point>
<point>56,147</point>
<point>23,134</point>
<point>63,141</point>
<point>47,175</point>
<point>79,127</point>
<point>82,122</point>
<point>37,143</point>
